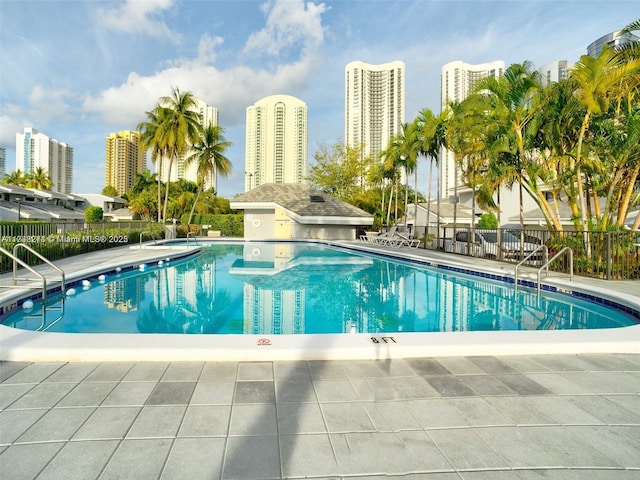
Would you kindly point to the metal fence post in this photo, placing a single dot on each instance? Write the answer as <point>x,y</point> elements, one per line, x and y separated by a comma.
<point>608,255</point>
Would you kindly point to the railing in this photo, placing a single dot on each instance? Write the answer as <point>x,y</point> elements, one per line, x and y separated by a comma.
<point>192,234</point>
<point>45,260</point>
<point>25,265</point>
<point>546,265</point>
<point>143,233</point>
<point>525,259</point>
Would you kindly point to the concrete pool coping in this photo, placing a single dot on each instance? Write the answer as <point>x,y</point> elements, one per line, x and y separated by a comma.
<point>23,345</point>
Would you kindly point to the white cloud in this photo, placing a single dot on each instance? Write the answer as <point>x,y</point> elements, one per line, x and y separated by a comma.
<point>288,23</point>
<point>49,104</point>
<point>135,16</point>
<point>10,125</point>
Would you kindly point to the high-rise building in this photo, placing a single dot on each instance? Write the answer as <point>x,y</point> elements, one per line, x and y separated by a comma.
<point>208,116</point>
<point>124,158</point>
<point>613,39</point>
<point>554,71</point>
<point>276,141</point>
<point>374,105</point>
<point>3,161</point>
<point>34,149</point>
<point>457,81</point>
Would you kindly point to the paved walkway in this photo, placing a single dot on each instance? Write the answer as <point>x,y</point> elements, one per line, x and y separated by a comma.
<point>448,418</point>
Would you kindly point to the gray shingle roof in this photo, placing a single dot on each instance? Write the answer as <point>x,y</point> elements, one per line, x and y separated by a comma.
<point>297,199</point>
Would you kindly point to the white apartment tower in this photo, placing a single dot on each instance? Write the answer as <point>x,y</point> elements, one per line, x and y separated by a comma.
<point>208,116</point>
<point>554,72</point>
<point>374,105</point>
<point>457,81</point>
<point>34,149</point>
<point>276,142</point>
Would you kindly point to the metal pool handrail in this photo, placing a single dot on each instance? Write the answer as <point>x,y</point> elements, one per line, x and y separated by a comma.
<point>546,265</point>
<point>515,272</point>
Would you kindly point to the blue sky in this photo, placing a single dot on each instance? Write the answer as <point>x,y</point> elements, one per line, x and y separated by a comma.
<point>79,70</point>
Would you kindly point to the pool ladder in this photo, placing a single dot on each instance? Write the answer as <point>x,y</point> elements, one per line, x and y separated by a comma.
<point>545,265</point>
<point>39,276</point>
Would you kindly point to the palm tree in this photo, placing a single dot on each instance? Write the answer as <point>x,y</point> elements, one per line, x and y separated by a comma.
<point>143,181</point>
<point>208,153</point>
<point>630,49</point>
<point>598,81</point>
<point>16,178</point>
<point>39,179</point>
<point>178,130</point>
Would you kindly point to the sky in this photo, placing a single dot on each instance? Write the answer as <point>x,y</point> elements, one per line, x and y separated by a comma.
<point>77,71</point>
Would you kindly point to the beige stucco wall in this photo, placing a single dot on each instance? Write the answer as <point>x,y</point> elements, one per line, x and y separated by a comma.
<point>259,224</point>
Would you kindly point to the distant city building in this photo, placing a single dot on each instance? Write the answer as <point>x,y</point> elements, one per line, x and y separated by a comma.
<point>457,81</point>
<point>3,161</point>
<point>276,141</point>
<point>124,158</point>
<point>374,105</point>
<point>554,71</point>
<point>208,116</point>
<point>613,39</point>
<point>34,149</point>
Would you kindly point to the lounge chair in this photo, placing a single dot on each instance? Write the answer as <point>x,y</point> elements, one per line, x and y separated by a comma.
<point>387,238</point>
<point>407,241</point>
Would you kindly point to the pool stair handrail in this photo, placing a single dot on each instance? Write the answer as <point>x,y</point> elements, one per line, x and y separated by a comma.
<point>548,262</point>
<point>142,234</point>
<point>525,259</point>
<point>195,239</point>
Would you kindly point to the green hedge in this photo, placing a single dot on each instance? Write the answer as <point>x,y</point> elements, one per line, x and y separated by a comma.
<point>229,225</point>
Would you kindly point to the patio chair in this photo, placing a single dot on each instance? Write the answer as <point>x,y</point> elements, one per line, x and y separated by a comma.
<point>407,241</point>
<point>387,238</point>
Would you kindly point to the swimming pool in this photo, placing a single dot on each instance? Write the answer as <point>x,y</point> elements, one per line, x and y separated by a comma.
<point>305,288</point>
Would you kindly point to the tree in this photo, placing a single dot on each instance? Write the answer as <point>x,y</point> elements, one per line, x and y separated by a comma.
<point>143,181</point>
<point>39,179</point>
<point>16,178</point>
<point>208,153</point>
<point>110,191</point>
<point>93,214</point>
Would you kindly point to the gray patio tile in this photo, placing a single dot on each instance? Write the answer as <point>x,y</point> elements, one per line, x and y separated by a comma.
<point>492,365</point>
<point>417,476</point>
<point>109,372</point>
<point>522,385</point>
<point>427,366</point>
<point>561,411</point>
<point>146,372</point>
<point>605,382</point>
<point>300,418</point>
<point>460,366</point>
<point>392,416</point>
<point>295,391</point>
<point>478,412</point>
<point>205,421</point>
<point>341,390</point>
<point>252,457</point>
<point>349,417</point>
<point>524,364</point>
<point>195,459</point>
<point>307,454</point>
<point>449,386</point>
<point>401,388</point>
<point>14,423</point>
<point>34,373</point>
<point>72,372</point>
<point>43,395</point>
<point>171,393</point>
<point>255,371</point>
<point>253,420</point>
<point>620,444</point>
<point>387,453</point>
<point>436,413</point>
<point>497,475</point>
<point>213,393</point>
<point>565,363</point>
<point>520,410</point>
<point>23,462</point>
<point>108,423</point>
<point>611,362</point>
<point>631,403</point>
<point>87,394</point>
<point>291,370</point>
<point>606,410</point>
<point>182,372</point>
<point>557,384</point>
<point>466,450</point>
<point>129,394</point>
<point>577,474</point>
<point>365,368</point>
<point>571,446</point>
<point>219,372</point>
<point>9,393</point>
<point>8,369</point>
<point>79,460</point>
<point>326,370</point>
<point>254,392</point>
<point>137,460</point>
<point>157,421</point>
<point>56,425</point>
<point>486,385</point>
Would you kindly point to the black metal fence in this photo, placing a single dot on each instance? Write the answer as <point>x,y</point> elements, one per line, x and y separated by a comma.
<point>606,255</point>
<point>60,240</point>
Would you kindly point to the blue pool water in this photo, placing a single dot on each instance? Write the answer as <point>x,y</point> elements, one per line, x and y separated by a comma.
<point>298,288</point>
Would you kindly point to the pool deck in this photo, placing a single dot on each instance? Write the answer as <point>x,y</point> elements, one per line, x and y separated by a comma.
<point>452,416</point>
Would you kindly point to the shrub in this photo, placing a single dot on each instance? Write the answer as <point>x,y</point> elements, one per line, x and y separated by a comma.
<point>93,214</point>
